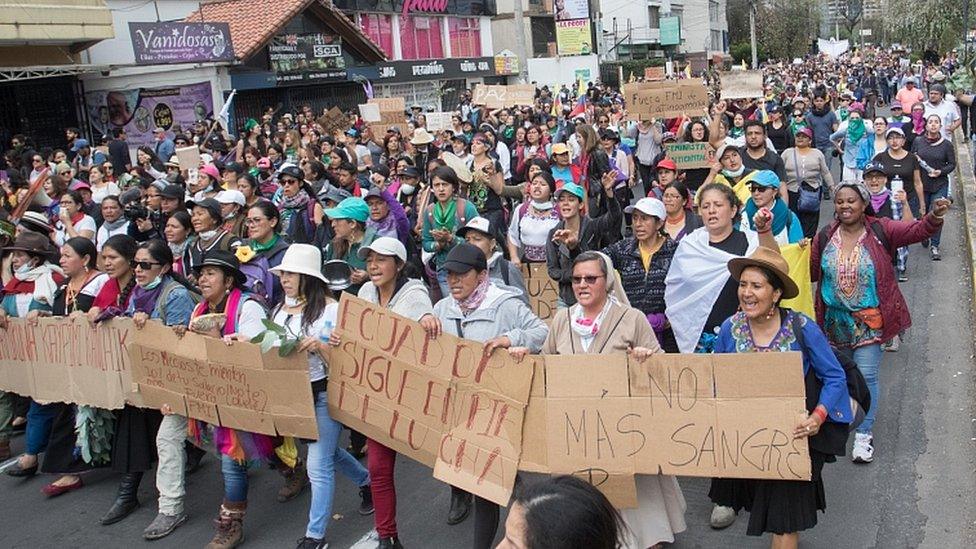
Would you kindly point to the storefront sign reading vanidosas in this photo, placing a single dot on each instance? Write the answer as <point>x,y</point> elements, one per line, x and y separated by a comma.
<point>177,42</point>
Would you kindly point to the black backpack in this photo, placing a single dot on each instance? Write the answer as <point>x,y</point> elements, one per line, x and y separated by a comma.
<point>832,438</point>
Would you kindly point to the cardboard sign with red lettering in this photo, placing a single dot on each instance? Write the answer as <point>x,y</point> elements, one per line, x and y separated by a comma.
<point>654,73</point>
<point>439,401</point>
<point>233,386</point>
<point>62,360</point>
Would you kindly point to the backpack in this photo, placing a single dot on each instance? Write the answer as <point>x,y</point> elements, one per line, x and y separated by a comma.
<point>260,280</point>
<point>879,234</point>
<point>832,437</point>
<point>164,297</point>
<point>459,216</point>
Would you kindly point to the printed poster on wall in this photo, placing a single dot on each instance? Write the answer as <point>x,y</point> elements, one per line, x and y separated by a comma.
<point>571,9</point>
<point>573,37</point>
<point>313,56</point>
<point>141,110</point>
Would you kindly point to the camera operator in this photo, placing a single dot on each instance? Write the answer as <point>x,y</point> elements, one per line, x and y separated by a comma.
<point>147,218</point>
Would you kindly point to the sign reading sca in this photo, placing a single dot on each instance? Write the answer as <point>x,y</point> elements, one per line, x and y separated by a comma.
<point>177,42</point>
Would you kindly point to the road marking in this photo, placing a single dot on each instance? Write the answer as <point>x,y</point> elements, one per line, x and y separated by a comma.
<point>368,541</point>
<point>8,464</point>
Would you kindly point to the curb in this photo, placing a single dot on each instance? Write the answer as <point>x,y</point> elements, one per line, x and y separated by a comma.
<point>967,190</point>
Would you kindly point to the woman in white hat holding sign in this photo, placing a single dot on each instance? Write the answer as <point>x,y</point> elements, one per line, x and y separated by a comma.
<point>308,316</point>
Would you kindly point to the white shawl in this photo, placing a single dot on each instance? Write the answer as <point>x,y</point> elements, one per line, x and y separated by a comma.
<point>696,277</point>
<point>43,279</point>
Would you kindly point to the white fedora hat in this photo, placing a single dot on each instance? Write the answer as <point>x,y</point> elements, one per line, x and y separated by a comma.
<point>302,259</point>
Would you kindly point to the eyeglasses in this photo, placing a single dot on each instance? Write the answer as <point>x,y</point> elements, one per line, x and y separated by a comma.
<point>758,188</point>
<point>589,279</point>
<point>144,265</point>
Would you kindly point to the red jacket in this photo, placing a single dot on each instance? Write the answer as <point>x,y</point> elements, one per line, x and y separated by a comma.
<point>894,309</point>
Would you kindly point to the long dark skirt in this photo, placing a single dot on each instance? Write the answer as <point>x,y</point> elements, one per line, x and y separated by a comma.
<point>61,456</point>
<point>134,442</point>
<point>775,506</point>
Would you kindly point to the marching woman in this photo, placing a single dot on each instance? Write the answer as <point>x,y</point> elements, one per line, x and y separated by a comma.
<point>478,310</point>
<point>309,314</point>
<point>602,322</point>
<point>179,235</point>
<point>699,293</point>
<point>681,219</point>
<point>859,303</point>
<point>784,507</point>
<point>442,218</point>
<point>389,287</point>
<point>78,259</point>
<point>764,187</point>
<point>528,232</point>
<point>262,230</point>
<point>32,287</point>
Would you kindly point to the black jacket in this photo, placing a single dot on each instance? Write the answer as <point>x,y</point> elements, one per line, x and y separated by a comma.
<point>559,258</point>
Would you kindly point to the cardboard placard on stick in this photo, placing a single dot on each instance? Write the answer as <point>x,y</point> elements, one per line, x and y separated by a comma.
<point>334,120</point>
<point>543,291</point>
<point>499,96</point>
<point>691,155</point>
<point>741,84</point>
<point>188,157</point>
<point>686,97</point>
<point>233,386</point>
<point>438,401</point>
<point>63,360</point>
<point>390,103</point>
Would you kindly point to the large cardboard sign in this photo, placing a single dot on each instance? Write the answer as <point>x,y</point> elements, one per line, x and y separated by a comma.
<point>543,291</point>
<point>499,96</point>
<point>437,121</point>
<point>741,84</point>
<point>439,401</point>
<point>684,97</point>
<point>233,386</point>
<point>691,155</point>
<point>608,417</point>
<point>334,120</point>
<point>62,360</point>
<point>390,103</point>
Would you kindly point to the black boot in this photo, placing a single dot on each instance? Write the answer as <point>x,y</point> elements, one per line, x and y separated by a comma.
<point>126,501</point>
<point>460,506</point>
<point>194,456</point>
<point>389,543</point>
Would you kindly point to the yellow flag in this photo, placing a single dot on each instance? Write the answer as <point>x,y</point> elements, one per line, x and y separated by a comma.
<point>743,64</point>
<point>688,70</point>
<point>799,261</point>
<point>631,79</point>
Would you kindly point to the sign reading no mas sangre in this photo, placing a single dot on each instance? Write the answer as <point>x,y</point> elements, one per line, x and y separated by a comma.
<point>177,42</point>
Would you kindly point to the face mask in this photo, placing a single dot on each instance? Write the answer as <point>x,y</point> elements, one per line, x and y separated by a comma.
<point>155,282</point>
<point>408,189</point>
<point>736,173</point>
<point>208,235</point>
<point>24,269</point>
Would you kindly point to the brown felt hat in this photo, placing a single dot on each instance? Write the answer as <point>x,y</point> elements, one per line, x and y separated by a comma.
<point>769,259</point>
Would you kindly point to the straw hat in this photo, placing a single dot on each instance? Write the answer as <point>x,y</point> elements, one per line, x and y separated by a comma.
<point>771,260</point>
<point>302,259</point>
<point>421,137</point>
<point>459,166</point>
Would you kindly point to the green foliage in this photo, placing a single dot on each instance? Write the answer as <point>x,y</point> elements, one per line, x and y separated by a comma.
<point>741,52</point>
<point>785,28</point>
<point>275,334</point>
<point>924,24</point>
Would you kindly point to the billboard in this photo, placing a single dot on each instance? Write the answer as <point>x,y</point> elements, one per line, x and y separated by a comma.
<point>573,37</point>
<point>571,9</point>
<point>142,109</point>
<point>312,56</point>
<point>670,30</point>
<point>178,42</point>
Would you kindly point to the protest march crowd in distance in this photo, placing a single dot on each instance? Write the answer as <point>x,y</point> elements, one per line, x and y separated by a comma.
<point>674,216</point>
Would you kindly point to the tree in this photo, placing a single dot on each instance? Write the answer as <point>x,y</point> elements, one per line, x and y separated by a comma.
<point>925,24</point>
<point>785,28</point>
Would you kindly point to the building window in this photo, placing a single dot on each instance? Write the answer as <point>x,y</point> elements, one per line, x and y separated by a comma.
<point>543,37</point>
<point>420,37</point>
<point>654,17</point>
<point>425,94</point>
<point>465,33</point>
<point>379,27</point>
<point>713,13</point>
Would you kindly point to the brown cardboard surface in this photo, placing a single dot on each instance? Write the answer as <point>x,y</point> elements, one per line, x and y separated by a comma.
<point>630,90</point>
<point>654,73</point>
<point>440,401</point>
<point>333,120</point>
<point>691,155</point>
<point>687,97</point>
<point>543,291</point>
<point>621,490</point>
<point>741,84</point>
<point>500,96</point>
<point>390,103</point>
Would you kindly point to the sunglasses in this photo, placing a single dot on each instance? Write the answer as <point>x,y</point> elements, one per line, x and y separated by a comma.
<point>758,188</point>
<point>144,265</point>
<point>590,279</point>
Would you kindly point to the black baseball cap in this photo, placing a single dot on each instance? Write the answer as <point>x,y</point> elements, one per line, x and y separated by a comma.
<point>172,191</point>
<point>464,257</point>
<point>381,169</point>
<point>410,171</point>
<point>235,167</point>
<point>208,204</point>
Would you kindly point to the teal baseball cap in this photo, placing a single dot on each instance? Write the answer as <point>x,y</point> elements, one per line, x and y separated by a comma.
<point>765,178</point>
<point>573,189</point>
<point>351,208</point>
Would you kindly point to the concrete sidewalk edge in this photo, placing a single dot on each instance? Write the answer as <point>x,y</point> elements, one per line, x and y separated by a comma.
<point>966,189</point>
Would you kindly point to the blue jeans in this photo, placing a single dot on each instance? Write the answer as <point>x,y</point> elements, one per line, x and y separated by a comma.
<point>324,455</point>
<point>39,419</point>
<point>442,282</point>
<point>868,360</point>
<point>235,479</point>
<point>930,199</point>
<point>827,151</point>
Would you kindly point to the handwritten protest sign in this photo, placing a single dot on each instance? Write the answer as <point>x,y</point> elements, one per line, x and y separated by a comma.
<point>630,90</point>
<point>62,360</point>
<point>334,120</point>
<point>439,401</point>
<point>688,97</point>
<point>232,386</point>
<point>188,157</point>
<point>654,73</point>
<point>437,121</point>
<point>390,103</point>
<point>691,155</point>
<point>741,84</point>
<point>543,291</point>
<point>498,96</point>
<point>370,112</point>
<point>607,418</point>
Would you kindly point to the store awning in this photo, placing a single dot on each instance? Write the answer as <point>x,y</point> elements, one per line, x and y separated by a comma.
<point>253,24</point>
<point>16,74</point>
<point>51,32</point>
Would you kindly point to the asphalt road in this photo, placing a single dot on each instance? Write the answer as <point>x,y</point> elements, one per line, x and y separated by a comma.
<point>917,493</point>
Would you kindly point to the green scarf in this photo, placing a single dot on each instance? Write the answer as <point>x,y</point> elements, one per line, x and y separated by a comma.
<point>261,248</point>
<point>855,129</point>
<point>444,216</point>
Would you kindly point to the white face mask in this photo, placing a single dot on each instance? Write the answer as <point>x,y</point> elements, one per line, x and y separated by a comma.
<point>24,269</point>
<point>408,189</point>
<point>736,173</point>
<point>208,235</point>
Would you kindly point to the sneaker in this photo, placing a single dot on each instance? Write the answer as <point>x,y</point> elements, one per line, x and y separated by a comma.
<point>366,506</point>
<point>936,256</point>
<point>163,525</point>
<point>312,543</point>
<point>863,451</point>
<point>902,276</point>
<point>722,517</point>
<point>892,346</point>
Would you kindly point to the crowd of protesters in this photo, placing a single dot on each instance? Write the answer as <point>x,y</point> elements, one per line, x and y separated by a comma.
<point>439,226</point>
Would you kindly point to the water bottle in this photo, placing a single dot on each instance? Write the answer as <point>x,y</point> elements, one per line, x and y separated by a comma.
<point>925,166</point>
<point>326,332</point>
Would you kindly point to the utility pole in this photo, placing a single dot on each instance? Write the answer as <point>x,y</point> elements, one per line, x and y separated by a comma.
<point>752,34</point>
<point>521,49</point>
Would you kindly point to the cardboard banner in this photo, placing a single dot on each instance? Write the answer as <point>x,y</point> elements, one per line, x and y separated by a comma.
<point>631,89</point>
<point>687,97</point>
<point>543,291</point>
<point>389,103</point>
<point>654,73</point>
<point>334,120</point>
<point>606,418</point>
<point>741,84</point>
<point>437,121</point>
<point>691,155</point>
<point>63,360</point>
<point>438,401</point>
<point>229,385</point>
<point>498,96</point>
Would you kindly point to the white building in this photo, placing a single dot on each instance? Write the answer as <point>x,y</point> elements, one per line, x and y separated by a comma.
<point>632,30</point>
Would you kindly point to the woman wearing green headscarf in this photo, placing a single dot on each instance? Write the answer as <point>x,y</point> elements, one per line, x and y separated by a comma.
<point>848,139</point>
<point>252,138</point>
